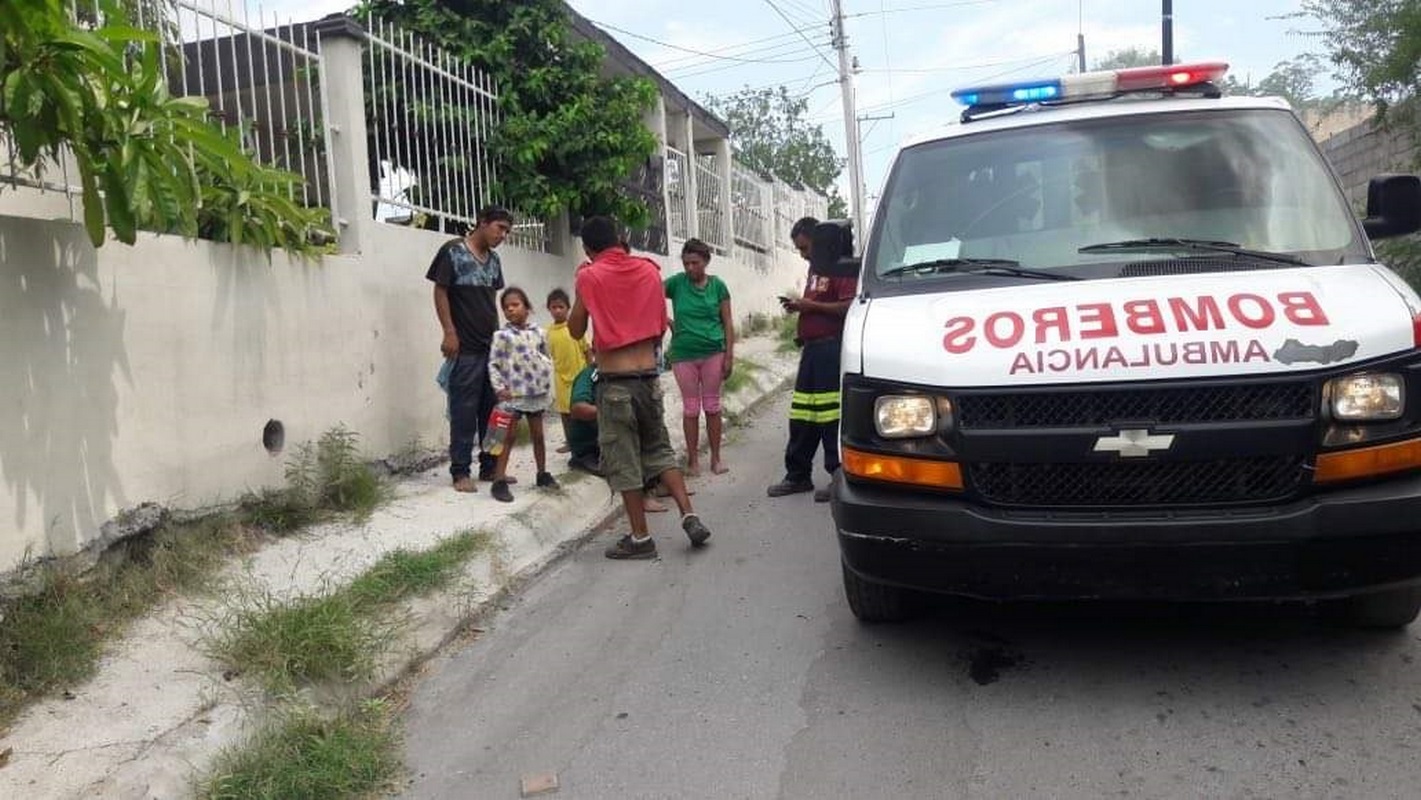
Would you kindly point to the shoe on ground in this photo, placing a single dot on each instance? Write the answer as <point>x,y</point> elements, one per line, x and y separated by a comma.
<point>501,492</point>
<point>487,476</point>
<point>625,549</point>
<point>547,481</point>
<point>695,530</point>
<point>821,495</point>
<point>788,487</point>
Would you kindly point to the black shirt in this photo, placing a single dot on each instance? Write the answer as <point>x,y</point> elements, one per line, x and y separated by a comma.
<point>473,293</point>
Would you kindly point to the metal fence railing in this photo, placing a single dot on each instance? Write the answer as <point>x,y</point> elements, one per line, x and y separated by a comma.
<point>429,116</point>
<point>677,178</point>
<point>261,78</point>
<point>751,200</point>
<point>710,215</point>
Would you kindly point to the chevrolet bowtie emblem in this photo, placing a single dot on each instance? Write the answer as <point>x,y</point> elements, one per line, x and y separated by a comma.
<point>1134,443</point>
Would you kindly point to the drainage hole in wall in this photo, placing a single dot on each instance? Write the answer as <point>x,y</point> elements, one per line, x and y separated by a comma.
<point>274,436</point>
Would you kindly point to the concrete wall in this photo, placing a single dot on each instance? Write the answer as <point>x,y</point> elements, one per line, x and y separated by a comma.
<point>1363,151</point>
<point>147,373</point>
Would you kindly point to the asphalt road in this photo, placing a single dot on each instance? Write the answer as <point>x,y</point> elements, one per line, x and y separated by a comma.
<point>738,672</point>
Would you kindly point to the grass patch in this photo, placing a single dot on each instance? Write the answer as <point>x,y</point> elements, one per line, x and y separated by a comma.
<point>52,638</point>
<point>403,574</point>
<point>323,479</point>
<point>785,331</point>
<point>309,639</point>
<point>740,374</point>
<point>305,756</point>
<point>341,635</point>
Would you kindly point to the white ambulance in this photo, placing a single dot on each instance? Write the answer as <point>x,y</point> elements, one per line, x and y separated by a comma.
<point>1119,336</point>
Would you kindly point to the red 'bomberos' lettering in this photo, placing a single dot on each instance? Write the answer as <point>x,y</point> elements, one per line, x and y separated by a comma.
<point>1301,308</point>
<point>958,338</point>
<point>1202,316</point>
<point>1144,317</point>
<point>1005,329</point>
<point>1102,317</point>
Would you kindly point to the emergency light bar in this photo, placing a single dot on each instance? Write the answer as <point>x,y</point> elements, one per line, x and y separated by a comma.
<point>1092,84</point>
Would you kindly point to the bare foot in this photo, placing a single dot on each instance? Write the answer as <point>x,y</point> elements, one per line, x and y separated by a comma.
<point>719,468</point>
<point>466,485</point>
<point>654,506</point>
<point>693,470</point>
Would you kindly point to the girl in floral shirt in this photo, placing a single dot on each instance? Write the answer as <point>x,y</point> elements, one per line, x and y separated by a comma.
<point>521,373</point>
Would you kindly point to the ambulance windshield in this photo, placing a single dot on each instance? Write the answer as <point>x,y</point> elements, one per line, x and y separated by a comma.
<point>1038,195</point>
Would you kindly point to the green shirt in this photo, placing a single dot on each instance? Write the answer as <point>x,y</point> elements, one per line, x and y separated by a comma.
<point>582,434</point>
<point>698,332</point>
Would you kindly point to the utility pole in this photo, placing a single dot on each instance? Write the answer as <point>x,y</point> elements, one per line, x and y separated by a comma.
<point>1167,33</point>
<point>851,122</point>
<point>862,136</point>
<point>1080,52</point>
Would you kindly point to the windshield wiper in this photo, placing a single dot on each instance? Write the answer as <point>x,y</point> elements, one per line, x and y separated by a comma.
<point>1198,245</point>
<point>978,266</point>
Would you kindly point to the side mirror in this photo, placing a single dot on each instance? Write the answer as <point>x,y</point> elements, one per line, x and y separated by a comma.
<point>1393,206</point>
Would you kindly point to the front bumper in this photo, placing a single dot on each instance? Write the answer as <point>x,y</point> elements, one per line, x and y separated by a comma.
<point>1341,543</point>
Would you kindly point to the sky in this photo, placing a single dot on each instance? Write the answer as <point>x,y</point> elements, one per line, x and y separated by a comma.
<point>912,53</point>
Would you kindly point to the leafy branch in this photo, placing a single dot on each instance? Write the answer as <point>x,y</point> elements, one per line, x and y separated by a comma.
<point>146,160</point>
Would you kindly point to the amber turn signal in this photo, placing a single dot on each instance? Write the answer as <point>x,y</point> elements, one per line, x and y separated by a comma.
<point>899,469</point>
<point>1366,462</point>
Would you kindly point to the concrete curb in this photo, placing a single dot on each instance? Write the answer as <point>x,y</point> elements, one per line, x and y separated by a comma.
<point>160,710</point>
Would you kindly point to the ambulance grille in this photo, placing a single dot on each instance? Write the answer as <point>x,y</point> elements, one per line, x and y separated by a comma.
<point>1294,400</point>
<point>1188,266</point>
<point>1143,483</point>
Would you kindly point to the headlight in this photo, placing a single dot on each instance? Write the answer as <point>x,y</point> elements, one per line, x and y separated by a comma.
<point>1367,398</point>
<point>902,417</point>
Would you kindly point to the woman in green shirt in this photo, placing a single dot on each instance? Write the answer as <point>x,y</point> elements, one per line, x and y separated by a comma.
<point>702,349</point>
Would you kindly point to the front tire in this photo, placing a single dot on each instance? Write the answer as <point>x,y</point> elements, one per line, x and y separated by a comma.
<point>876,602</point>
<point>1393,608</point>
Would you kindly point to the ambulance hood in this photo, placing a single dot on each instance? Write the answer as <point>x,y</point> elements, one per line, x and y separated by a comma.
<point>1237,323</point>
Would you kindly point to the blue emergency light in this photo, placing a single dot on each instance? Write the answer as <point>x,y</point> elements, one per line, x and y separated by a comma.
<point>1086,85</point>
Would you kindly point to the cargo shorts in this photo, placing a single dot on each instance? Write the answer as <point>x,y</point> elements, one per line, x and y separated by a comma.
<point>631,431</point>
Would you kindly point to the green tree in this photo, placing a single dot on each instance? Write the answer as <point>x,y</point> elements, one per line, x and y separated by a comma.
<point>1127,58</point>
<point>568,137</point>
<point>146,160</point>
<point>771,135</point>
<point>1376,45</point>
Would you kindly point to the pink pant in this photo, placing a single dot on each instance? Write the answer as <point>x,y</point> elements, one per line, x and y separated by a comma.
<point>700,384</point>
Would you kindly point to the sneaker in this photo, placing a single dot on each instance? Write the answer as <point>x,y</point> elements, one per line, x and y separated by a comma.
<point>787,487</point>
<point>695,530</point>
<point>821,495</point>
<point>547,481</point>
<point>626,549</point>
<point>501,492</point>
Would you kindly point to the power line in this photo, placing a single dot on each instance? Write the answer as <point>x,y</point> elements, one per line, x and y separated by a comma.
<point>924,95</point>
<point>724,67</point>
<point>790,22</point>
<point>715,56</point>
<point>752,47</point>
<point>933,7</point>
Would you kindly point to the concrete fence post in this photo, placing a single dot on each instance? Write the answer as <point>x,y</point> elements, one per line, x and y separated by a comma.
<point>343,84</point>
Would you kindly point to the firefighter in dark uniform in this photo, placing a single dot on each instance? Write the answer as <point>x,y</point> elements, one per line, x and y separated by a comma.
<point>814,411</point>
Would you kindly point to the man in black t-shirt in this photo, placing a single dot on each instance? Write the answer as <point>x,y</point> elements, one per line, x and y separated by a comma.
<point>467,276</point>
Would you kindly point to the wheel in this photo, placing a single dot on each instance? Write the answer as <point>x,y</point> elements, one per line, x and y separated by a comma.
<point>875,602</point>
<point>1394,608</point>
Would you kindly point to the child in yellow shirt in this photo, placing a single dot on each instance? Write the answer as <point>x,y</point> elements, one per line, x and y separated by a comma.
<point>569,357</point>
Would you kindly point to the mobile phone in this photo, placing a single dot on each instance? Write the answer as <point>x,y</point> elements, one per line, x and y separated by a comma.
<point>784,298</point>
